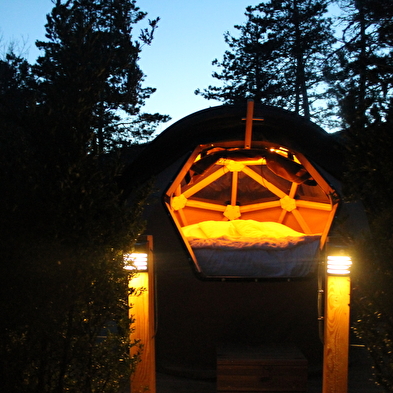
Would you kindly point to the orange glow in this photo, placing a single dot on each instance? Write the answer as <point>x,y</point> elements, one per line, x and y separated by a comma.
<point>338,264</point>
<point>240,163</point>
<point>298,212</point>
<point>239,185</point>
<point>251,180</point>
<point>282,151</point>
<point>136,261</point>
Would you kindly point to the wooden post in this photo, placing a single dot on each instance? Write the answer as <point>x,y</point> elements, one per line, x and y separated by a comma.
<point>249,119</point>
<point>142,311</point>
<point>336,336</point>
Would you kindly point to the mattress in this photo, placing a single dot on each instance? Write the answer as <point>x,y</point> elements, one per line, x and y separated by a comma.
<point>249,248</point>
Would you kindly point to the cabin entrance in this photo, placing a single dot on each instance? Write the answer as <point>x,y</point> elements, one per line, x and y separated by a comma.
<point>251,210</point>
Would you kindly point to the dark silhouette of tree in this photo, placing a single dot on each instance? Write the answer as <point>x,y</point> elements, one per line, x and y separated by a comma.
<point>361,76</point>
<point>277,58</point>
<point>64,221</point>
<point>362,81</point>
<point>90,52</point>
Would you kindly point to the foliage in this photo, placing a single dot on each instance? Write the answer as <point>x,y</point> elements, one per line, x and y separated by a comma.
<point>372,297</point>
<point>91,55</point>
<point>63,282</point>
<point>369,178</point>
<point>64,221</point>
<point>362,75</point>
<point>363,85</point>
<point>277,58</point>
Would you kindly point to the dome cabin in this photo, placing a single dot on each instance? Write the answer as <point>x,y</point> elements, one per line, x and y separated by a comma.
<point>245,199</point>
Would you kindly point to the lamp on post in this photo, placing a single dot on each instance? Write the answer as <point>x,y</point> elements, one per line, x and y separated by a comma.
<point>136,261</point>
<point>336,330</point>
<point>142,313</point>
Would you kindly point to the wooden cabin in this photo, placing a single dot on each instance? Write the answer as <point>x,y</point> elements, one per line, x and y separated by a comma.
<point>246,197</point>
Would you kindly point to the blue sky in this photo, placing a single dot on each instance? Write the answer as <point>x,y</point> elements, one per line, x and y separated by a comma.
<point>189,37</point>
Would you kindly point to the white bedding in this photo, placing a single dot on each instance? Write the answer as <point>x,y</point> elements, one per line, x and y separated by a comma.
<point>248,248</point>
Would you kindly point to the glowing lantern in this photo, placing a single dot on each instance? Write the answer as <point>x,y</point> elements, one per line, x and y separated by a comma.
<point>339,264</point>
<point>136,261</point>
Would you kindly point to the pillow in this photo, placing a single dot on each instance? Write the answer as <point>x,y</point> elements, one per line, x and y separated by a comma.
<point>218,229</point>
<point>252,228</point>
<point>249,228</point>
<point>193,231</point>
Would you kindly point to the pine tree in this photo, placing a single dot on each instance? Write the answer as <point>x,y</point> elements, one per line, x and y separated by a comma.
<point>362,75</point>
<point>91,51</point>
<point>363,84</point>
<point>64,223</point>
<point>278,56</point>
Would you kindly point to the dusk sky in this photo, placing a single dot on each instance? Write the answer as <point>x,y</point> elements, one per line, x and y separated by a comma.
<point>189,37</point>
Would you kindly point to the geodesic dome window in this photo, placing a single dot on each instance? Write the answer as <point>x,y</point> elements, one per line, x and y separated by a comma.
<point>260,212</point>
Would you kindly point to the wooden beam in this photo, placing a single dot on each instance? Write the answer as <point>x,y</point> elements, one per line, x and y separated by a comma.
<point>303,224</point>
<point>259,179</point>
<point>182,217</point>
<point>179,228</point>
<point>234,188</point>
<point>204,182</point>
<point>292,192</point>
<point>291,195</point>
<point>180,176</point>
<point>260,206</point>
<point>315,174</point>
<point>249,119</point>
<point>142,310</point>
<point>336,335</point>
<point>327,227</point>
<point>282,216</point>
<point>205,205</point>
<point>314,205</point>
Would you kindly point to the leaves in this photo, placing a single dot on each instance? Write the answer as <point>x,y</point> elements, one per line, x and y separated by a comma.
<point>63,290</point>
<point>92,59</point>
<point>276,57</point>
<point>363,85</point>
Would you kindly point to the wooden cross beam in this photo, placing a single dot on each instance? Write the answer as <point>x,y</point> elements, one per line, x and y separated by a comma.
<point>249,119</point>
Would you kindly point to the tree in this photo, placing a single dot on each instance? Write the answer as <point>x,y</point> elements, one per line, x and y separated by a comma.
<point>91,51</point>
<point>361,78</point>
<point>277,57</point>
<point>363,84</point>
<point>64,221</point>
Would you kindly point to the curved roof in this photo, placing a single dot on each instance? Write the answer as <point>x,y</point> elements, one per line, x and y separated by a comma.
<point>227,123</point>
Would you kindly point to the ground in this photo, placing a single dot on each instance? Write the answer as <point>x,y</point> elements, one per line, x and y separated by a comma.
<point>198,381</point>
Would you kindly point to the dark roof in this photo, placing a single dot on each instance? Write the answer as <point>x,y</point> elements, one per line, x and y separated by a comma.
<point>226,123</point>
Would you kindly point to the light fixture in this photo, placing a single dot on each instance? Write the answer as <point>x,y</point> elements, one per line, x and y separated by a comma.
<point>339,264</point>
<point>138,260</point>
<point>338,260</point>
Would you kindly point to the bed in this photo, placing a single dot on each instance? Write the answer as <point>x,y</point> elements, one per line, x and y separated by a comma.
<point>249,248</point>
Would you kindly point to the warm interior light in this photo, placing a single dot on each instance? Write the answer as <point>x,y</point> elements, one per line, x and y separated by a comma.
<point>135,261</point>
<point>338,264</point>
<point>282,151</point>
<point>257,161</point>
